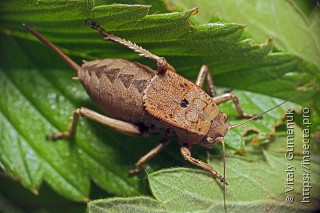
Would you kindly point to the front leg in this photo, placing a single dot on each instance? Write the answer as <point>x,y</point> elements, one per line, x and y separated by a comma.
<point>186,153</point>
<point>120,126</point>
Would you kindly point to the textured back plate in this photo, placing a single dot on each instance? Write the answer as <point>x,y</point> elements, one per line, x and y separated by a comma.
<point>181,104</point>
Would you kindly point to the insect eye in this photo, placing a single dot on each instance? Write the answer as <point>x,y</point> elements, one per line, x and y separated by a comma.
<point>184,103</point>
<point>225,117</point>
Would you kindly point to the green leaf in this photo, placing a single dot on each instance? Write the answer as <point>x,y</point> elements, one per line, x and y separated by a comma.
<point>16,199</point>
<point>254,184</point>
<point>257,183</point>
<point>38,95</point>
<point>182,189</point>
<point>64,166</point>
<point>282,20</point>
<point>134,204</point>
<point>25,154</point>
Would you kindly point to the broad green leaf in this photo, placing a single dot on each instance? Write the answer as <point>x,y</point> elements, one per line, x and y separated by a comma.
<point>282,20</point>
<point>256,182</point>
<point>65,165</point>
<point>134,204</point>
<point>38,95</point>
<point>16,199</point>
<point>306,7</point>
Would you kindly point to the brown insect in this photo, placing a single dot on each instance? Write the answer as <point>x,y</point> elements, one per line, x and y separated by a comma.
<point>142,101</point>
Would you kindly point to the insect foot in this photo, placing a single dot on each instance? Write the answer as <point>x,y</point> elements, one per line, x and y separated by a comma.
<point>58,135</point>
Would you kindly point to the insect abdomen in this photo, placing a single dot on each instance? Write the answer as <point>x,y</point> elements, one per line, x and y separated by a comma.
<point>117,87</point>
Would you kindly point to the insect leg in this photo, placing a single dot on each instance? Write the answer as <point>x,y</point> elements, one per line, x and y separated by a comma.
<point>186,153</point>
<point>229,96</point>
<point>161,62</point>
<point>205,74</point>
<point>139,165</point>
<point>120,126</point>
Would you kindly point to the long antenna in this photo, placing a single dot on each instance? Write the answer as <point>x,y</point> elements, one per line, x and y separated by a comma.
<point>48,43</point>
<point>224,176</point>
<point>272,108</point>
